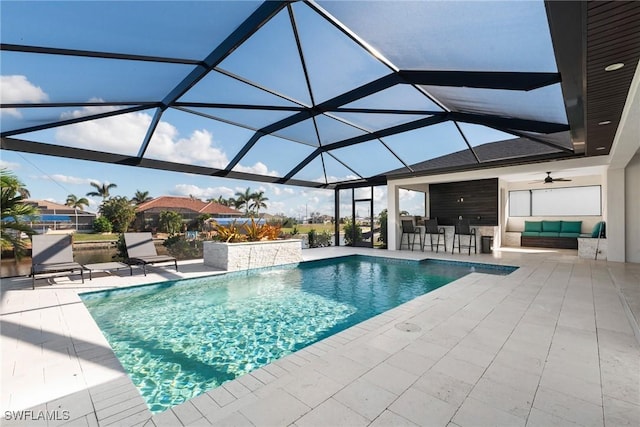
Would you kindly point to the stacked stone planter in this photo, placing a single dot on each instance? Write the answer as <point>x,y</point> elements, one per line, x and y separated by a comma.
<point>246,255</point>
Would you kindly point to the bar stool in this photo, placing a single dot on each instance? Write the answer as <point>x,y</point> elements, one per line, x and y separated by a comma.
<point>431,228</point>
<point>409,230</point>
<point>463,228</point>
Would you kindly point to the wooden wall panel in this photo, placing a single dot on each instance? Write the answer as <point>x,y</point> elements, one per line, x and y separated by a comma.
<point>476,200</point>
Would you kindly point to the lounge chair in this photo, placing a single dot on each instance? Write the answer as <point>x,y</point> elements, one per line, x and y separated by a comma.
<point>52,253</point>
<point>142,251</point>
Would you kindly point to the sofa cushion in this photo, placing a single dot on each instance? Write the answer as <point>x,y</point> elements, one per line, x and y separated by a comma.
<point>596,229</point>
<point>551,226</point>
<point>530,233</point>
<point>532,226</point>
<point>549,234</point>
<point>572,235</point>
<point>571,227</point>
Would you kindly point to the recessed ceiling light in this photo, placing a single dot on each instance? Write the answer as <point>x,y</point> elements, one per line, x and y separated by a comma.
<point>604,122</point>
<point>601,148</point>
<point>614,67</point>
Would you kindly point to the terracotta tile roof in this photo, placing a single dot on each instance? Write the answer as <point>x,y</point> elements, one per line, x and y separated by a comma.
<point>182,203</point>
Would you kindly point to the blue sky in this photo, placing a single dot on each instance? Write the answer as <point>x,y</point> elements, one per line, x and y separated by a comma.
<point>269,58</point>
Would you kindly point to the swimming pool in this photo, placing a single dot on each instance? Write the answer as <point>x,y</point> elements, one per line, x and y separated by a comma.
<point>181,338</point>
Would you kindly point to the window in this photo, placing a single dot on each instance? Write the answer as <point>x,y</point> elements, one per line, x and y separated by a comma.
<point>566,201</point>
<point>520,203</point>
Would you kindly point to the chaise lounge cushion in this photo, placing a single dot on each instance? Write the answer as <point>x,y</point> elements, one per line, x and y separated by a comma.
<point>571,227</point>
<point>551,226</point>
<point>532,227</point>
<point>549,234</point>
<point>596,229</point>
<point>576,235</point>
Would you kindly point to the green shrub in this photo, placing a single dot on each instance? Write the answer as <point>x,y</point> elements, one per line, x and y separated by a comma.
<point>352,233</point>
<point>102,225</point>
<point>180,248</point>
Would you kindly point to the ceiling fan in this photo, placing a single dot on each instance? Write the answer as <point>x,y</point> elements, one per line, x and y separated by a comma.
<point>550,180</point>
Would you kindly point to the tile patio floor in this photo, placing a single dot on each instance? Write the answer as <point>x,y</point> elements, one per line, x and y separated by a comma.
<point>554,343</point>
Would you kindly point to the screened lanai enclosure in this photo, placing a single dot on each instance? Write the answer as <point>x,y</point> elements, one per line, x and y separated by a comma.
<point>326,94</point>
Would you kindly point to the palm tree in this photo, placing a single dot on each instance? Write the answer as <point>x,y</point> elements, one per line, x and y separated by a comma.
<point>258,201</point>
<point>11,181</point>
<point>102,190</point>
<point>13,211</point>
<point>74,202</point>
<point>221,201</point>
<point>140,197</point>
<point>243,200</point>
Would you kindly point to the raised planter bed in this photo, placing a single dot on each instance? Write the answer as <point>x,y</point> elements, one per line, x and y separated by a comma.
<point>246,255</point>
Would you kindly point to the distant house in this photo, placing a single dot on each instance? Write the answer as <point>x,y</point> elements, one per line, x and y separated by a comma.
<point>148,213</point>
<point>54,216</point>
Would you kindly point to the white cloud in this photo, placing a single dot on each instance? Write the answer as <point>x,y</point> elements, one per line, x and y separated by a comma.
<point>66,179</point>
<point>9,165</point>
<point>119,134</point>
<point>202,193</point>
<point>259,168</point>
<point>18,89</point>
<point>125,133</point>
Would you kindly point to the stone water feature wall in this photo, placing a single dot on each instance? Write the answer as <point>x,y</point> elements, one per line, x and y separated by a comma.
<point>246,255</point>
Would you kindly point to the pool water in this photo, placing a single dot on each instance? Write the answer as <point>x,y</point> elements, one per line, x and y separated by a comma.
<point>179,339</point>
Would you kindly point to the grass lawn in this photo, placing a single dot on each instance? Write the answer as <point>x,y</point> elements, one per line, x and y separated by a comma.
<point>305,228</point>
<point>92,237</point>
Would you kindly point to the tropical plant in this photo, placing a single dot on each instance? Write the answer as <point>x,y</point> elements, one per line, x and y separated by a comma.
<point>383,228</point>
<point>140,197</point>
<point>119,211</point>
<point>352,233</point>
<point>102,190</point>
<point>77,203</point>
<point>170,222</point>
<point>102,225</point>
<point>14,211</point>
<point>258,201</point>
<point>228,233</point>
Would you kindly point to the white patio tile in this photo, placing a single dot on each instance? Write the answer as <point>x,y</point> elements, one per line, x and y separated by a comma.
<point>460,369</point>
<point>390,378</point>
<point>538,418</point>
<point>367,399</point>
<point>423,409</point>
<point>515,401</point>
<point>391,419</point>
<point>444,387</point>
<point>279,409</point>
<point>312,387</point>
<point>411,362</point>
<point>187,413</point>
<point>332,413</point>
<point>573,386</point>
<point>475,413</point>
<point>620,413</point>
<point>569,408</point>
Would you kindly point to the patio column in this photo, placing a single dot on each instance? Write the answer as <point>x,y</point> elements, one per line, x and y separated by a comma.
<point>392,217</point>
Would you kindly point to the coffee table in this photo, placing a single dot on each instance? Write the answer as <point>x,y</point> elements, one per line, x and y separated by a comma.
<point>107,267</point>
